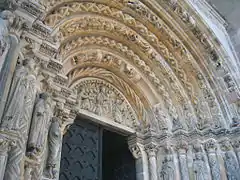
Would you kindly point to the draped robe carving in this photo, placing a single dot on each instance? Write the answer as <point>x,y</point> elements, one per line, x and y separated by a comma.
<point>199,167</point>
<point>6,20</point>
<point>18,113</point>
<point>168,169</point>
<point>232,166</point>
<point>40,122</point>
<point>54,141</point>
<point>23,86</point>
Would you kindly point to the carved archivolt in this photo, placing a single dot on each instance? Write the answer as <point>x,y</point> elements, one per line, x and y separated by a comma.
<point>147,46</point>
<point>74,7</point>
<point>170,47</point>
<point>73,45</point>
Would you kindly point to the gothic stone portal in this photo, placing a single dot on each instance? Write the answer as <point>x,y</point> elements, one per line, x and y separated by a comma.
<point>89,153</point>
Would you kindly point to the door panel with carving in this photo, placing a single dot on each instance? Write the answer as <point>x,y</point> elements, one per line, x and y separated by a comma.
<point>81,152</point>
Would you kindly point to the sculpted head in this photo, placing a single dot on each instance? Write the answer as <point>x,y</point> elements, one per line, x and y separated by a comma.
<point>199,156</point>
<point>44,96</point>
<point>7,15</point>
<point>29,63</point>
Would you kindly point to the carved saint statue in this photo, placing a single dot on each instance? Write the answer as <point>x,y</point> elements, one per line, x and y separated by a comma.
<point>40,122</point>
<point>119,110</point>
<point>161,118</point>
<point>232,166</point>
<point>199,167</point>
<point>168,171</point>
<point>22,88</point>
<point>54,141</point>
<point>100,101</point>
<point>6,20</point>
<point>175,118</point>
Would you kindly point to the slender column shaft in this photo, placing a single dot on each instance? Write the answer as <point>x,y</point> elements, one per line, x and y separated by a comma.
<point>140,162</point>
<point>183,164</point>
<point>153,167</point>
<point>152,152</point>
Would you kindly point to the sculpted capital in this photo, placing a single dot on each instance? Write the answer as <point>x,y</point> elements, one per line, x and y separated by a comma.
<point>151,149</point>
<point>136,151</point>
<point>226,145</point>
<point>211,145</point>
<point>182,146</point>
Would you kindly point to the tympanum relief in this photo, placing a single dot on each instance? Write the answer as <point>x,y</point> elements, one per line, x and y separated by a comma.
<point>103,100</point>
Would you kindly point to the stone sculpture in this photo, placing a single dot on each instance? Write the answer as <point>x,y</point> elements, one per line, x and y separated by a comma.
<point>168,169</point>
<point>104,101</point>
<point>232,166</point>
<point>54,143</point>
<point>161,118</point>
<point>6,20</point>
<point>199,167</point>
<point>22,87</point>
<point>40,122</point>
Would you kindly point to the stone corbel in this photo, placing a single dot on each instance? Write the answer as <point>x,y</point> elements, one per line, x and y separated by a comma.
<point>136,151</point>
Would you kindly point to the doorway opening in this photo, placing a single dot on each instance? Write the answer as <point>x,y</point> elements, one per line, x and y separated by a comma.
<point>117,163</point>
<point>91,152</point>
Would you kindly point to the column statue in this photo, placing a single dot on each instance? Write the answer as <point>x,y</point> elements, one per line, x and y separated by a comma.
<point>232,166</point>
<point>211,148</point>
<point>168,169</point>
<point>6,20</point>
<point>199,167</point>
<point>23,88</point>
<point>40,122</point>
<point>18,113</point>
<point>54,144</point>
<point>230,160</point>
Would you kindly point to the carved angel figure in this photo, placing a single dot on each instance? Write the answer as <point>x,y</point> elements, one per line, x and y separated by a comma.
<point>168,171</point>
<point>232,166</point>
<point>54,141</point>
<point>40,122</point>
<point>199,167</point>
<point>22,86</point>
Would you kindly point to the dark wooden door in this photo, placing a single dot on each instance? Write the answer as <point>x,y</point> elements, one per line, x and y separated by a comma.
<point>81,152</point>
